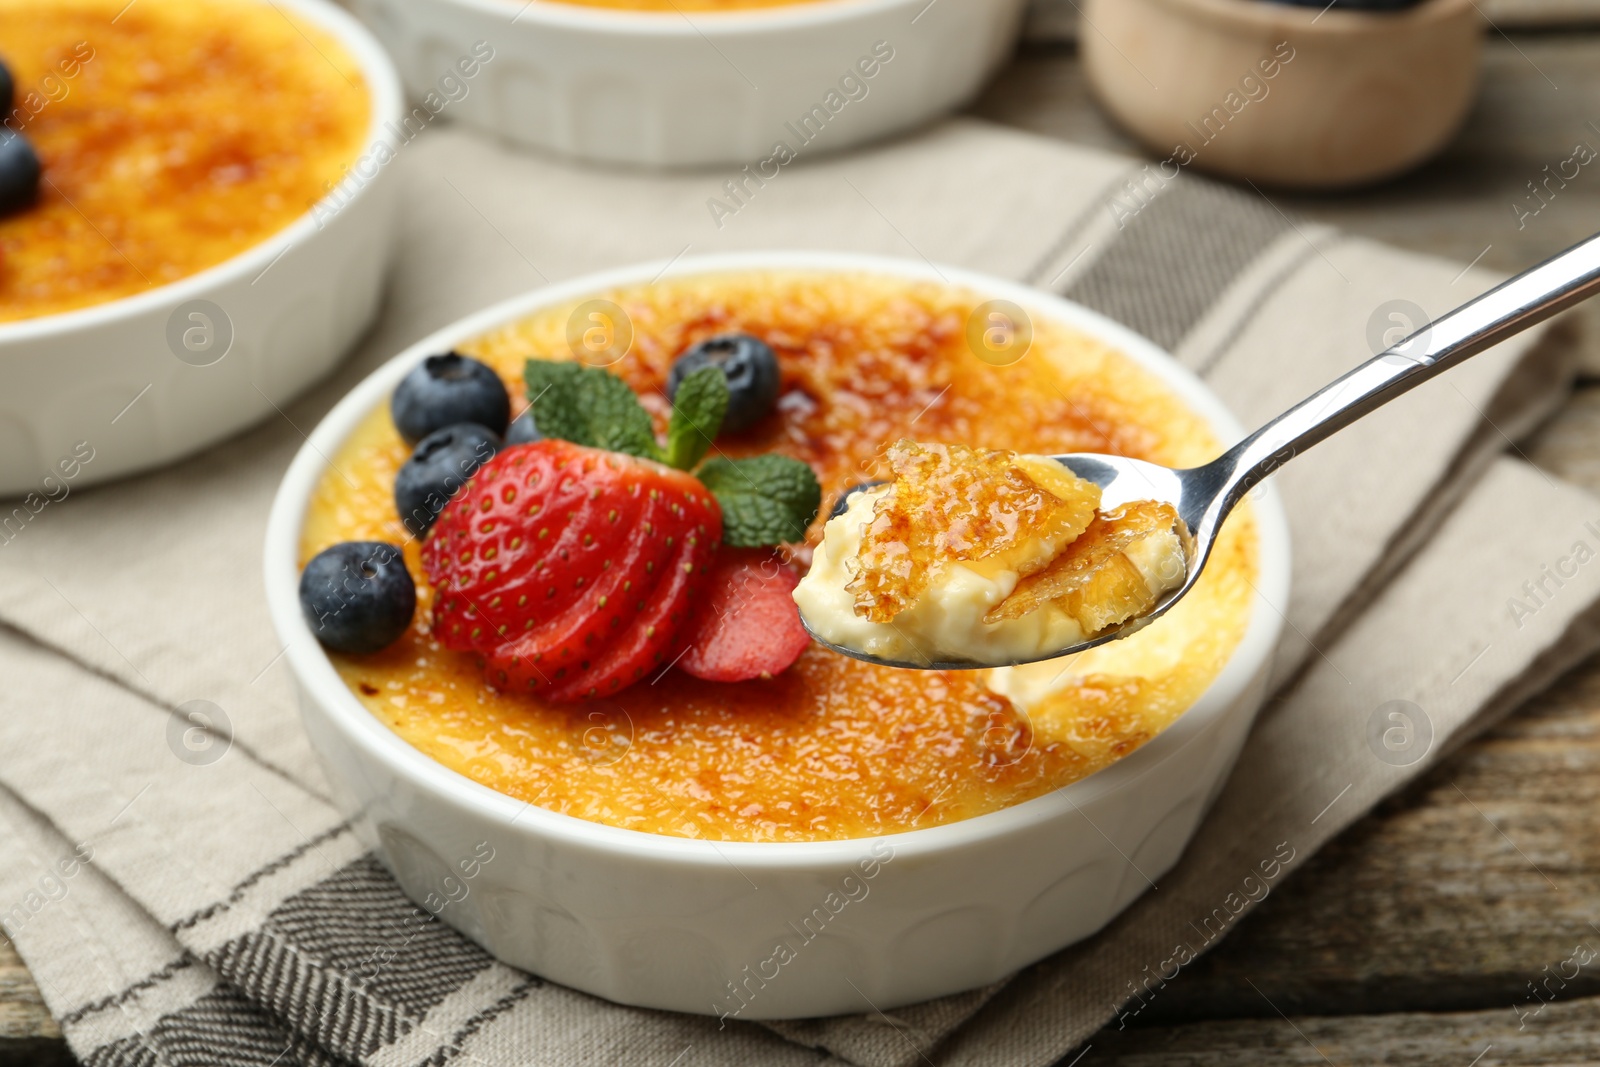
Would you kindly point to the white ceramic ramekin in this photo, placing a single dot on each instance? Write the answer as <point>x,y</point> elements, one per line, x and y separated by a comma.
<point>672,923</point>
<point>684,89</point>
<point>153,377</point>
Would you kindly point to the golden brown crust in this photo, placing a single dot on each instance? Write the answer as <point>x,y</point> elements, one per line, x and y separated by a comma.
<point>172,139</point>
<point>951,502</point>
<point>1093,580</point>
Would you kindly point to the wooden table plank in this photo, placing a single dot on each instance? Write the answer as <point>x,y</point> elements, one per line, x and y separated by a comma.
<point>28,1035</point>
<point>1565,1034</point>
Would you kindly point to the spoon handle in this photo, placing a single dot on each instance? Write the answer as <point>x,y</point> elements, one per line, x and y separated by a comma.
<point>1508,308</point>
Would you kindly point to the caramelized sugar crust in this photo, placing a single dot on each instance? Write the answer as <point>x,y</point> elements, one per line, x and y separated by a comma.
<point>1093,579</point>
<point>950,502</point>
<point>832,748</point>
<point>193,130</point>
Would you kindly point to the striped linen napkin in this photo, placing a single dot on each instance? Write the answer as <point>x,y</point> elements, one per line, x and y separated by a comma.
<point>213,907</point>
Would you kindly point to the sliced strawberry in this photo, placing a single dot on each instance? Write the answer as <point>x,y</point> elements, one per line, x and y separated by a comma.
<point>557,563</point>
<point>748,625</point>
<point>656,636</point>
<point>525,510</point>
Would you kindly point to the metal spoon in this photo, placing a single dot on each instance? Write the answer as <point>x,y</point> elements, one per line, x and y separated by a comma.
<point>1203,496</point>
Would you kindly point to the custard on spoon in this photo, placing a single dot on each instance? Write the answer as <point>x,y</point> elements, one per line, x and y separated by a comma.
<point>985,556</point>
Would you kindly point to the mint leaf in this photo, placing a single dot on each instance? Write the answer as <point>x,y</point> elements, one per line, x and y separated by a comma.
<point>620,423</point>
<point>588,406</point>
<point>697,411</point>
<point>766,500</point>
<point>553,395</point>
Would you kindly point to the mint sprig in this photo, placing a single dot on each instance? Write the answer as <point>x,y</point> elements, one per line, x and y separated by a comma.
<point>765,500</point>
<point>589,406</point>
<point>697,414</point>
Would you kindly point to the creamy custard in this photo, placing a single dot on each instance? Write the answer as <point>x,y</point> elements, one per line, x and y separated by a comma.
<point>174,134</point>
<point>833,747</point>
<point>984,556</point>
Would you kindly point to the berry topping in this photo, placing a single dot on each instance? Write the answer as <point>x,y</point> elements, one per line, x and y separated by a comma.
<point>750,368</point>
<point>522,431</point>
<point>766,500</point>
<point>572,571</point>
<point>576,565</point>
<point>447,390</point>
<point>749,626</point>
<point>357,596</point>
<point>19,172</point>
<point>842,505</point>
<point>437,469</point>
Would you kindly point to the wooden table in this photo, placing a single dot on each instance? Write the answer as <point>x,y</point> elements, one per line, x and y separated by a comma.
<point>1409,940</point>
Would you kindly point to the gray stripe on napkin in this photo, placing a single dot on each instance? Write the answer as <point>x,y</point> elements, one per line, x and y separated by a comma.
<point>341,963</point>
<point>1075,236</point>
<point>1176,255</point>
<point>221,1029</point>
<point>479,1021</point>
<point>1278,273</point>
<point>359,922</point>
<point>126,994</point>
<point>316,1000</point>
<point>310,844</point>
<point>352,964</point>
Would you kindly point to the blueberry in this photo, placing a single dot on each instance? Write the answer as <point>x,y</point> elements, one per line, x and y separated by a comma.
<point>437,469</point>
<point>752,371</point>
<point>7,91</point>
<point>447,390</point>
<point>842,505</point>
<point>19,172</point>
<point>357,596</point>
<point>522,431</point>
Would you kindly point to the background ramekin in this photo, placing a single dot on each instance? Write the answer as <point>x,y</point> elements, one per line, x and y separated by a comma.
<point>108,375</point>
<point>666,922</point>
<point>684,89</point>
<point>1367,94</point>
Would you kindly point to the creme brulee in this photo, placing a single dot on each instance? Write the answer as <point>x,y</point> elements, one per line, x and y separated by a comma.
<point>833,747</point>
<point>174,134</point>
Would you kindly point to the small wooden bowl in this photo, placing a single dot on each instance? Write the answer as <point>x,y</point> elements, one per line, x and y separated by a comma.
<point>1287,96</point>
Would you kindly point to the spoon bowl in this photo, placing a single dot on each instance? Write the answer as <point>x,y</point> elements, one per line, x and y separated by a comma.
<point>1121,481</point>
